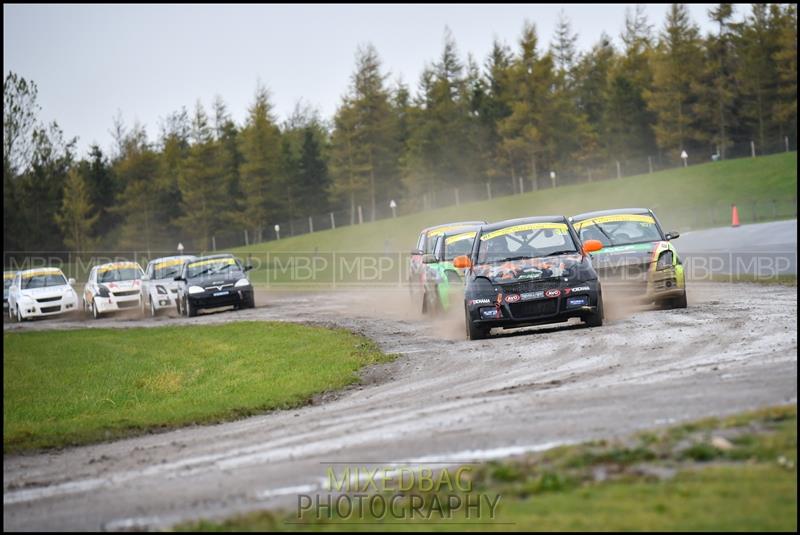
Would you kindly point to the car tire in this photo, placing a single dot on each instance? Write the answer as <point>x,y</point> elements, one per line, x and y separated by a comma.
<point>143,304</point>
<point>18,315</point>
<point>474,333</point>
<point>95,313</point>
<point>680,302</point>
<point>153,311</point>
<point>596,319</point>
<point>191,311</point>
<point>250,302</point>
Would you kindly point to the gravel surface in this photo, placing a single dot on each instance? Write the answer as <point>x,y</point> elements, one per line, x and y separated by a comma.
<point>443,399</point>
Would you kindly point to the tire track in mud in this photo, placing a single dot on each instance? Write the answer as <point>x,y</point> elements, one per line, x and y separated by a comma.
<point>733,349</point>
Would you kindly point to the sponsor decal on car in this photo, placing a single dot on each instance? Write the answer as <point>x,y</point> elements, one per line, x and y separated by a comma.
<point>480,301</point>
<point>531,295</point>
<point>168,263</point>
<point>442,230</point>
<point>577,289</point>
<point>460,237</point>
<point>8,275</point>
<point>40,273</point>
<point>552,292</point>
<point>117,265</point>
<point>512,298</point>
<point>641,218</point>
<point>223,261</point>
<point>559,228</point>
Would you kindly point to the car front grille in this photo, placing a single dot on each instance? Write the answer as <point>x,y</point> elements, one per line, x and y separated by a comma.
<point>530,309</point>
<point>49,299</point>
<point>529,286</point>
<point>218,288</point>
<point>47,310</point>
<point>128,304</point>
<point>126,293</point>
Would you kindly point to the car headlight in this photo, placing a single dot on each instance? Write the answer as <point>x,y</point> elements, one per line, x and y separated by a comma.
<point>664,261</point>
<point>241,283</point>
<point>160,289</point>
<point>102,291</point>
<point>196,290</point>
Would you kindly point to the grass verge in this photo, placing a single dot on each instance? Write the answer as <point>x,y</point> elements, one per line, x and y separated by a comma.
<point>64,388</point>
<point>737,473</point>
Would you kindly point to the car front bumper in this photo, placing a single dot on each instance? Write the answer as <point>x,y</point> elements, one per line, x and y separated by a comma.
<point>115,303</point>
<point>224,298</point>
<point>29,309</point>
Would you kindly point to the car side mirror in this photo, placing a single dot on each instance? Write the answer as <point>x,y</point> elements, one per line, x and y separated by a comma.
<point>248,267</point>
<point>429,259</point>
<point>461,262</point>
<point>178,278</point>
<point>672,235</point>
<point>71,281</point>
<point>590,246</point>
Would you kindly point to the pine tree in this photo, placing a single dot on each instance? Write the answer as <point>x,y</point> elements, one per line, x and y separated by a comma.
<point>261,173</point>
<point>77,215</point>
<point>785,57</point>
<point>676,63</point>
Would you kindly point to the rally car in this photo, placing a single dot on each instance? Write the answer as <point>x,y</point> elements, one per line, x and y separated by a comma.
<point>425,244</point>
<point>637,261</point>
<point>212,282</point>
<point>8,277</point>
<point>443,284</point>
<point>112,287</point>
<point>42,292</point>
<point>159,288</point>
<point>529,271</point>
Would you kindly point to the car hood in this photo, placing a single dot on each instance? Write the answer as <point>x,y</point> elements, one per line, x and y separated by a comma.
<point>43,293</point>
<point>626,255</point>
<point>530,269</point>
<point>217,280</point>
<point>122,285</point>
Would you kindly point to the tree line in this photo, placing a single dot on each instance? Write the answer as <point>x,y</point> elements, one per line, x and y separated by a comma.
<point>515,116</point>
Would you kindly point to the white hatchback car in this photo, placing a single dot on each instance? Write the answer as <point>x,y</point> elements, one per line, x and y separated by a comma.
<point>42,292</point>
<point>112,287</point>
<point>159,288</point>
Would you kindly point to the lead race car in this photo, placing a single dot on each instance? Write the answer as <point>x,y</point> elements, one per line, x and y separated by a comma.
<point>529,271</point>
<point>214,281</point>
<point>638,260</point>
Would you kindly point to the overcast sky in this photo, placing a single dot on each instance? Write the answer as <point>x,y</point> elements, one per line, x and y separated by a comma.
<point>146,61</point>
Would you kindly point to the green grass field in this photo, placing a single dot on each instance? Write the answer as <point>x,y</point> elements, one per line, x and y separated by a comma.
<point>695,197</point>
<point>675,479</point>
<point>65,388</point>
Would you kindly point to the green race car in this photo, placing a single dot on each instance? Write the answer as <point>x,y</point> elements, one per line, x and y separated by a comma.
<point>638,260</point>
<point>443,284</point>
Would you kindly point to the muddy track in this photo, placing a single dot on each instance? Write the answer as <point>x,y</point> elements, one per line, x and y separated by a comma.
<point>443,398</point>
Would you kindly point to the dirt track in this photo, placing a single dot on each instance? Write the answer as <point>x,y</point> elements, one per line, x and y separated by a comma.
<point>443,399</point>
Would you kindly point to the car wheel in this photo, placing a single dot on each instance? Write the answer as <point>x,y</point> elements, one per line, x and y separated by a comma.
<point>142,304</point>
<point>473,332</point>
<point>18,315</point>
<point>680,302</point>
<point>95,313</point>
<point>250,302</point>
<point>596,319</point>
<point>191,310</point>
<point>153,311</point>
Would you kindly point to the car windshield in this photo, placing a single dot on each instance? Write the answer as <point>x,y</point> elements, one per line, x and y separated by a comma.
<point>207,268</point>
<point>42,280</point>
<point>460,244</point>
<point>430,240</point>
<point>619,229</point>
<point>527,240</point>
<point>7,281</point>
<point>119,274</point>
<point>167,269</point>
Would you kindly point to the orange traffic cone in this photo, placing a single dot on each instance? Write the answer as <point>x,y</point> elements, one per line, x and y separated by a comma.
<point>734,216</point>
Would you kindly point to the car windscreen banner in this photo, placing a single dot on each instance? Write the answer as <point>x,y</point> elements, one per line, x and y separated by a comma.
<point>616,218</point>
<point>558,228</point>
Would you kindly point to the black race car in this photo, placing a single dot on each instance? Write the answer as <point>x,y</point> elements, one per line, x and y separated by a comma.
<point>529,271</point>
<point>212,282</point>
